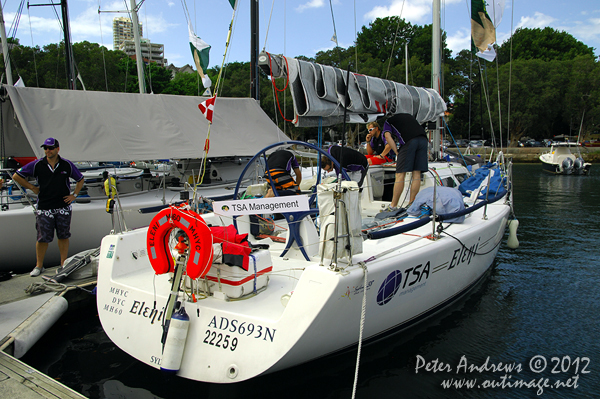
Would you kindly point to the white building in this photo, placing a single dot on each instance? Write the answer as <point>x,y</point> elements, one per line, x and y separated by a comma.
<point>123,30</point>
<point>151,52</point>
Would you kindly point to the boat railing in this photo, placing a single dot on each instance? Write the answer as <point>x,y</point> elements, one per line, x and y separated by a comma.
<point>23,193</point>
<point>490,197</point>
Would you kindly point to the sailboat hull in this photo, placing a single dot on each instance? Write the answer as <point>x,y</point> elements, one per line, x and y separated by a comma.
<point>306,311</point>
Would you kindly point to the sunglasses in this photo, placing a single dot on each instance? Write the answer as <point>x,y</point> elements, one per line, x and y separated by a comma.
<point>373,128</point>
<point>47,147</point>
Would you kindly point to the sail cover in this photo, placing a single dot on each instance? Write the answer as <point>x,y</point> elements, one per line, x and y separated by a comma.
<point>318,93</point>
<point>103,126</point>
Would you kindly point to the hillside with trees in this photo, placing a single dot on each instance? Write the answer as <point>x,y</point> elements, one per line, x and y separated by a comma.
<point>549,79</point>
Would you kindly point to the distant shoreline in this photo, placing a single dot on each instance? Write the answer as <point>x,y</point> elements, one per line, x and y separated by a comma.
<point>532,154</point>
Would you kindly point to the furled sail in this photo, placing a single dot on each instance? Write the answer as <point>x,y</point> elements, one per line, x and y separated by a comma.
<point>318,93</point>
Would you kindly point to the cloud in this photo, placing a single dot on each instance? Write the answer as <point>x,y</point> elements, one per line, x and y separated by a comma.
<point>413,11</point>
<point>588,30</point>
<point>459,41</point>
<point>310,4</point>
<point>538,20</point>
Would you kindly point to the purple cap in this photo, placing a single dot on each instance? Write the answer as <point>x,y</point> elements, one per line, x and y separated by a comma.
<point>50,142</point>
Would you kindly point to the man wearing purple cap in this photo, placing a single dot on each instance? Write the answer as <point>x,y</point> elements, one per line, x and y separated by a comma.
<point>54,199</point>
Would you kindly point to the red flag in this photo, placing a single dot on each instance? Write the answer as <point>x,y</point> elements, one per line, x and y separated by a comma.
<point>207,108</point>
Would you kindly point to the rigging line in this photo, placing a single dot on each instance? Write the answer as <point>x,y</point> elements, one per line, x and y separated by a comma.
<point>470,74</point>
<point>62,29</point>
<point>17,19</point>
<point>33,49</point>
<point>14,26</point>
<point>334,31</point>
<point>188,19</point>
<point>499,107</point>
<point>510,70</point>
<point>363,314</point>
<point>102,47</point>
<point>497,88</point>
<point>395,38</point>
<point>487,100</point>
<point>355,39</point>
<point>269,25</point>
<point>285,52</point>
<point>217,87</point>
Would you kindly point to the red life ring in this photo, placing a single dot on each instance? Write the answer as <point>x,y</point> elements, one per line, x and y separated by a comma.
<point>199,236</point>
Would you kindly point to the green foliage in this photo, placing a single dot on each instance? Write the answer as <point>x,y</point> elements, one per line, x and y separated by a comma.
<point>100,69</point>
<point>542,44</point>
<point>185,84</point>
<point>554,78</point>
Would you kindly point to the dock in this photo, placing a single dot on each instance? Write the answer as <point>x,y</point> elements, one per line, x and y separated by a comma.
<point>29,307</point>
<point>18,380</point>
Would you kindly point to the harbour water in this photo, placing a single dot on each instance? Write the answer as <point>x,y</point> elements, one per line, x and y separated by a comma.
<point>531,329</point>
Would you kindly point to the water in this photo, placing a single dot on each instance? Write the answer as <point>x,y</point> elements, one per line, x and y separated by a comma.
<point>540,303</point>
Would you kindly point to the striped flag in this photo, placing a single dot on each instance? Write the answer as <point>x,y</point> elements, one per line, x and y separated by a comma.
<point>207,108</point>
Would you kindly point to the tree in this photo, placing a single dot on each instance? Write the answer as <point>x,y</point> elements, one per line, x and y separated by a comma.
<point>542,44</point>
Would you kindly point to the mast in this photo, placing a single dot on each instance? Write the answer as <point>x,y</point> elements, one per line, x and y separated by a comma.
<point>138,51</point>
<point>9,78</point>
<point>71,83</point>
<point>69,59</point>
<point>436,84</point>
<point>254,86</point>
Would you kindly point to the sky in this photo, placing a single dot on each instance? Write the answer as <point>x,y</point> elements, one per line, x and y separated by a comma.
<point>289,27</point>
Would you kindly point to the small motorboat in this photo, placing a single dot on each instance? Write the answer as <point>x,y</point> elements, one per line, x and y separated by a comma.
<point>561,161</point>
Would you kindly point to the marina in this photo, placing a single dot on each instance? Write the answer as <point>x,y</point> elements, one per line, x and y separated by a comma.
<point>538,300</point>
<point>406,279</point>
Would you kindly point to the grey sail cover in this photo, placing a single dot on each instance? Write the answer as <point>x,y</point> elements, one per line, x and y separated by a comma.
<point>103,126</point>
<point>318,93</point>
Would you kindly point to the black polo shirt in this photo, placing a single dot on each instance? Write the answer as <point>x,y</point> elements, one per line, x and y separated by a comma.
<point>54,184</point>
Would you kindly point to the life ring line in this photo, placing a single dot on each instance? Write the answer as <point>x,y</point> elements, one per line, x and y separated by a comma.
<point>199,235</point>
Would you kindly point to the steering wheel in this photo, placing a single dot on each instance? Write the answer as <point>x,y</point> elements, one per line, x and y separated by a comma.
<point>291,217</point>
<point>287,143</point>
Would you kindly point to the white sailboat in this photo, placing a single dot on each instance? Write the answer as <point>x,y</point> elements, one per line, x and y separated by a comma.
<point>101,126</point>
<point>287,310</point>
<point>186,309</point>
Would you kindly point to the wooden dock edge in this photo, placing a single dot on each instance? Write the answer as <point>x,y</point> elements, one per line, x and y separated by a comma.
<point>18,380</point>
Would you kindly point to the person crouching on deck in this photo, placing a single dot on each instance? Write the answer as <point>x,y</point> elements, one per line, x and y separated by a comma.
<point>280,164</point>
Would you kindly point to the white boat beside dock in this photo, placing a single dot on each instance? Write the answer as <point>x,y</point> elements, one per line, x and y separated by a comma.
<point>228,324</point>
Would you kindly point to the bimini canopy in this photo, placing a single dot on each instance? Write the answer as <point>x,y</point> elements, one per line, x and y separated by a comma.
<point>102,126</point>
<point>318,92</point>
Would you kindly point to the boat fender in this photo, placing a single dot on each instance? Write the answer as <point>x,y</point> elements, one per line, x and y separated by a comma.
<point>175,343</point>
<point>198,233</point>
<point>512,242</point>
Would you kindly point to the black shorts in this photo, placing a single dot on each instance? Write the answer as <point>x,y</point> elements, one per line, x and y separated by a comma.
<point>47,221</point>
<point>413,156</point>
